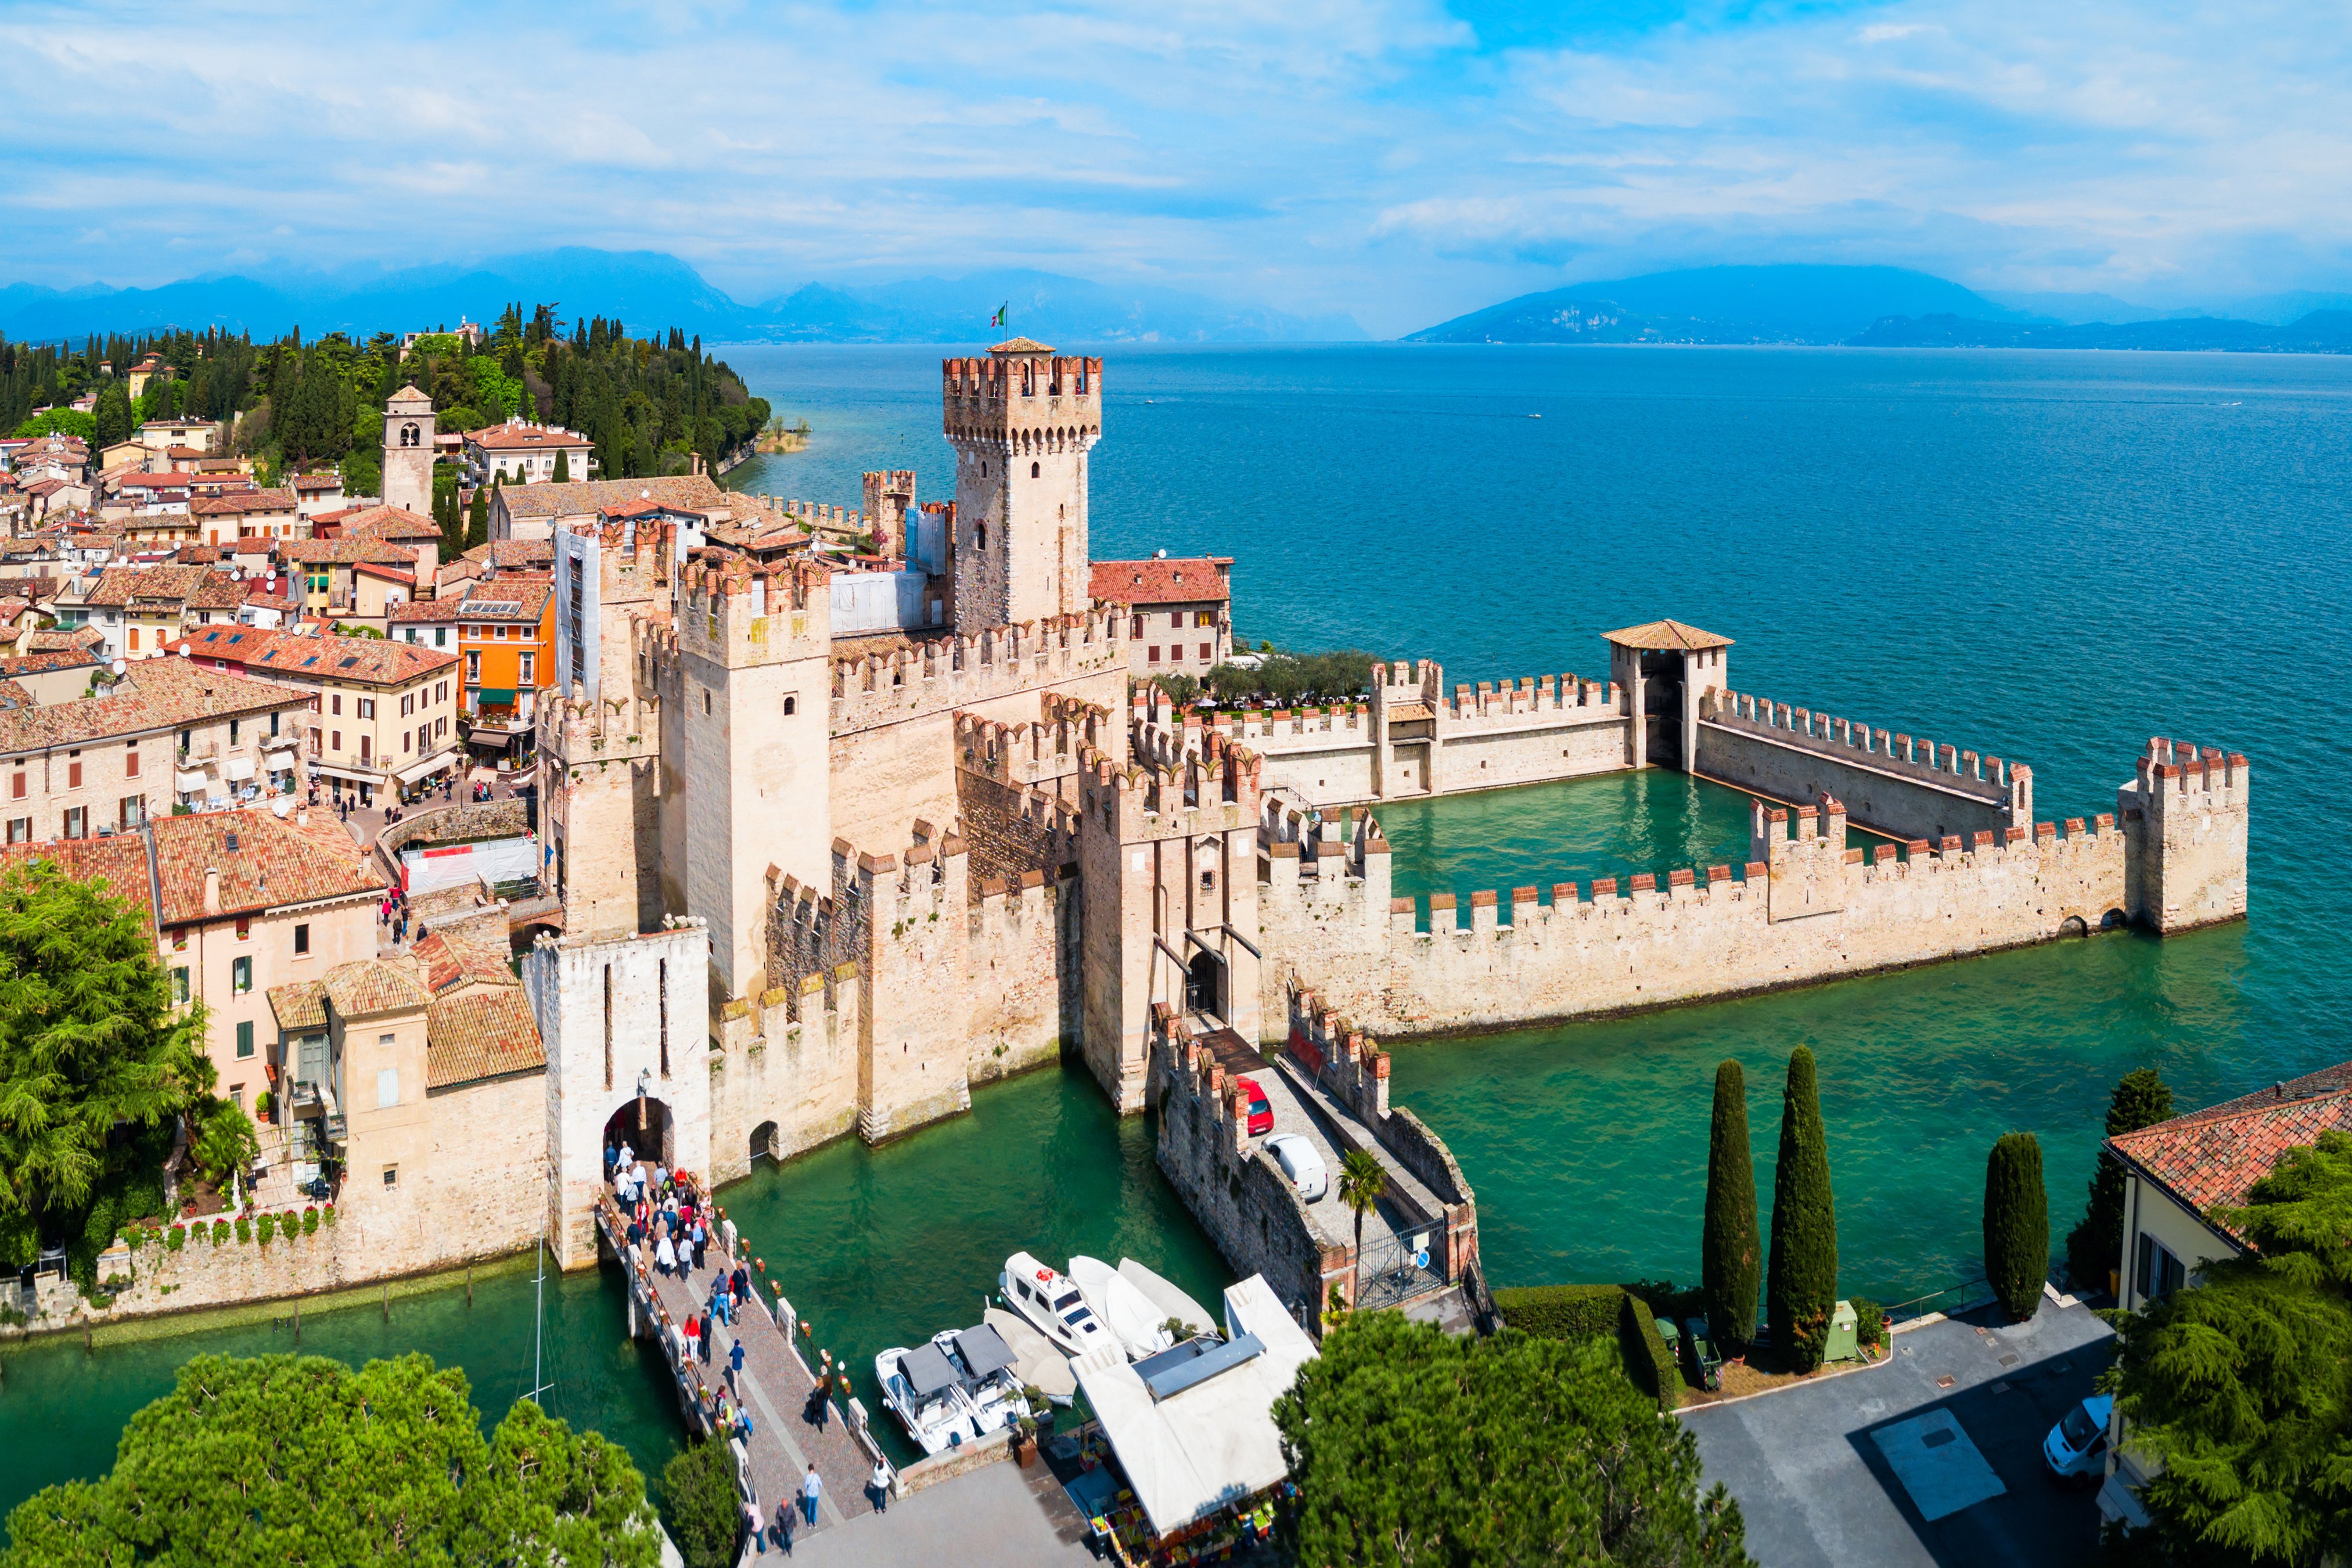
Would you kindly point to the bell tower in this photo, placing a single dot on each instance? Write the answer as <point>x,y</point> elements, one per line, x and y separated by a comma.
<point>408,451</point>
<point>1022,422</point>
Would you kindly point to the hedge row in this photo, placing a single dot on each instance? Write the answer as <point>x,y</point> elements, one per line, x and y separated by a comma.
<point>1584,1311</point>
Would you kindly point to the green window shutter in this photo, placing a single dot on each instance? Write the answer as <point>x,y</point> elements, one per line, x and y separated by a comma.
<point>244,1040</point>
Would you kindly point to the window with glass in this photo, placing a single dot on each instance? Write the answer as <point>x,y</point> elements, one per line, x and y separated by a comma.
<point>240,976</point>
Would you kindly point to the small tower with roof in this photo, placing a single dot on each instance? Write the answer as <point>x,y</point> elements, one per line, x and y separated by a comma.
<point>408,451</point>
<point>1022,422</point>
<point>1664,668</point>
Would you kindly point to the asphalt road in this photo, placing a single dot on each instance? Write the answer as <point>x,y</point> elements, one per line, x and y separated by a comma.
<point>1817,1493</point>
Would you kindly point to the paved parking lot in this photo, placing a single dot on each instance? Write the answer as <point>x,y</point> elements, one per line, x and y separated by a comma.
<point>1811,1470</point>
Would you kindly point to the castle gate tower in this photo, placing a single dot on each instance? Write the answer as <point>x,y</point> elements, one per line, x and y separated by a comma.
<point>1022,422</point>
<point>408,451</point>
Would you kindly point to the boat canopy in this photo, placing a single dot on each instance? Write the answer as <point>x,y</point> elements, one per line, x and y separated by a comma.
<point>927,1370</point>
<point>983,1350</point>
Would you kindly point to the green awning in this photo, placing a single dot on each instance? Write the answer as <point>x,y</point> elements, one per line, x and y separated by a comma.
<point>497,697</point>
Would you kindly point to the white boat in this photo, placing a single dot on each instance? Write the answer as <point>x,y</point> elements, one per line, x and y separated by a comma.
<point>1166,1299</point>
<point>1037,1360</point>
<point>922,1388</point>
<point>1051,1304</point>
<point>984,1362</point>
<point>1140,1327</point>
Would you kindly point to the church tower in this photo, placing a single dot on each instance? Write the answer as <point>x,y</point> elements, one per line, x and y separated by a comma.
<point>1022,422</point>
<point>408,451</point>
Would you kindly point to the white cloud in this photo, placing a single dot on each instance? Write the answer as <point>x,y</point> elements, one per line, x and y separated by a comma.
<point>1344,154</point>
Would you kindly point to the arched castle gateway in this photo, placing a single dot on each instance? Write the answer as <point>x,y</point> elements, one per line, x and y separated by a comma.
<point>824,866</point>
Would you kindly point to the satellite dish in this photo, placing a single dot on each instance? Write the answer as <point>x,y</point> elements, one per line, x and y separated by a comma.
<point>119,665</point>
<point>282,806</point>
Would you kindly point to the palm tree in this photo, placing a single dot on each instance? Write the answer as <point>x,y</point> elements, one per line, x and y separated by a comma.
<point>1363,1180</point>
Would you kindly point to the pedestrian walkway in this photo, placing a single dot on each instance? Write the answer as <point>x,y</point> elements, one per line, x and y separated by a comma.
<point>793,1425</point>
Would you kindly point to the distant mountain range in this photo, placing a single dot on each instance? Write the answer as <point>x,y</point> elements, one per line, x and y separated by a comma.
<point>1882,307</point>
<point>649,290</point>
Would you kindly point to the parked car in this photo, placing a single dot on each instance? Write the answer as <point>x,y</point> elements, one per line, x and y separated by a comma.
<point>1301,1163</point>
<point>1260,1109</point>
<point>2076,1448</point>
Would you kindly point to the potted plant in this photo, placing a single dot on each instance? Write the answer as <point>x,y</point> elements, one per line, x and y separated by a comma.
<point>1025,1441</point>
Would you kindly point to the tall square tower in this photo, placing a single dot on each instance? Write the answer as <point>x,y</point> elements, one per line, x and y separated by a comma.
<point>1022,422</point>
<point>408,451</point>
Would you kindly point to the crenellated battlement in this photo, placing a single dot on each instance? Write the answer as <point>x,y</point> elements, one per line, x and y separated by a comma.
<point>951,672</point>
<point>1018,755</point>
<point>1022,397</point>
<point>2003,787</point>
<point>741,615</point>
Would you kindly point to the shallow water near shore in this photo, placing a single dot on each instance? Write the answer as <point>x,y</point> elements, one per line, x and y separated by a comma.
<point>2045,556</point>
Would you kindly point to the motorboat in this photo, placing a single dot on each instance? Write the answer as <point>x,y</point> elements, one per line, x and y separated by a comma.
<point>1050,1303</point>
<point>992,1383</point>
<point>1037,1360</point>
<point>1140,1327</point>
<point>1166,1299</point>
<point>923,1389</point>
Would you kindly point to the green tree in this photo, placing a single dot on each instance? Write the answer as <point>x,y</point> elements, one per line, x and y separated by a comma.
<point>1362,1181</point>
<point>1408,1446</point>
<point>2096,1246</point>
<point>699,1505</point>
<point>2016,1225</point>
<point>113,416</point>
<point>478,521</point>
<point>2242,1387</point>
<point>562,467</point>
<point>1730,1252</point>
<point>284,1458</point>
<point>90,1040</point>
<point>225,1141</point>
<point>1800,1282</point>
<point>61,421</point>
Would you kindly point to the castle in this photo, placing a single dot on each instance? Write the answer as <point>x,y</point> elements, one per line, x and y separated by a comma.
<point>822,876</point>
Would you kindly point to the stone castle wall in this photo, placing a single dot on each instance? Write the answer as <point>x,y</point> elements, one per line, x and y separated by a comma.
<point>1705,933</point>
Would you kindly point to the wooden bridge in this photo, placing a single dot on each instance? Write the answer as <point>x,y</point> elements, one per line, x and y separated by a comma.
<point>793,1425</point>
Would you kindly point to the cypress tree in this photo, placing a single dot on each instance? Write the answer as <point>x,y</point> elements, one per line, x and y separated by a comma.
<point>2095,1247</point>
<point>2016,1225</point>
<point>1801,1283</point>
<point>478,521</point>
<point>1729,1250</point>
<point>562,467</point>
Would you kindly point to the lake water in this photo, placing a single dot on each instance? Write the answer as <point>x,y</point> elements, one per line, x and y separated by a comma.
<point>2046,556</point>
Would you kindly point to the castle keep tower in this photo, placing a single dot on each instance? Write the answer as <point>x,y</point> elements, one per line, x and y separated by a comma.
<point>1022,422</point>
<point>408,450</point>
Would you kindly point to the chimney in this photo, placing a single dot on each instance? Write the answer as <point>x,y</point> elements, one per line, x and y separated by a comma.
<point>212,890</point>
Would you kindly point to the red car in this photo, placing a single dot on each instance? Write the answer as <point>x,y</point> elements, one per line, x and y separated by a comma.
<point>1261,1112</point>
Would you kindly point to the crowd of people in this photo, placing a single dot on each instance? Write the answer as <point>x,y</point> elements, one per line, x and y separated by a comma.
<point>670,1222</point>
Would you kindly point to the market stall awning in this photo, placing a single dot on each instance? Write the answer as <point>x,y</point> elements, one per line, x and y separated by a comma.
<point>432,764</point>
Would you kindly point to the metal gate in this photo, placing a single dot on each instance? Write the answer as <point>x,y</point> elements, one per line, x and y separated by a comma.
<point>1396,1267</point>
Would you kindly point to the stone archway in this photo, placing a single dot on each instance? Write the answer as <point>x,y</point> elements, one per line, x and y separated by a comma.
<point>766,1142</point>
<point>647,1127</point>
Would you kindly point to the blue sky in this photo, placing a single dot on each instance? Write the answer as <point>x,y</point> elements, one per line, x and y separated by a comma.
<point>1403,160</point>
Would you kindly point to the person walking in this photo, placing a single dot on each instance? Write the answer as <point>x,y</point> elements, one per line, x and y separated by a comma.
<point>878,1484</point>
<point>665,1254</point>
<point>735,1366</point>
<point>752,1521</point>
<point>810,1490</point>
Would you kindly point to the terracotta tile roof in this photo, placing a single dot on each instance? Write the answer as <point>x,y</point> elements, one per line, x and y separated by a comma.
<point>1664,635</point>
<point>385,574</point>
<point>218,592</point>
<point>317,483</point>
<point>408,395</point>
<point>479,1035</point>
<point>285,655</point>
<point>452,960</point>
<point>80,640</point>
<point>158,694</point>
<point>506,552</point>
<point>1020,346</point>
<point>372,985</point>
<point>1197,580</point>
<point>2211,1159</point>
<point>275,862</point>
<point>429,611</point>
<point>345,552</point>
<point>511,437</point>
<point>386,524</point>
<point>301,1006</point>
<point>2326,1080</point>
<point>119,585</point>
<point>686,492</point>
<point>12,695</point>
<point>507,599</point>
<point>120,861</point>
<point>238,503</point>
<point>42,663</point>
